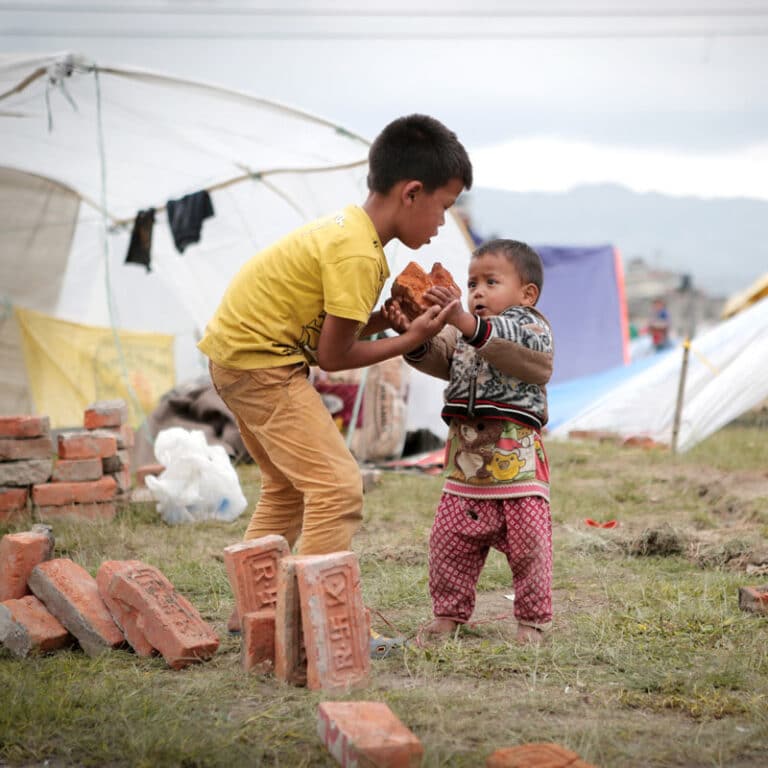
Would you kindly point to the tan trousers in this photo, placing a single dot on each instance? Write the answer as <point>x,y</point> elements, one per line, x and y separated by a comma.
<point>311,484</point>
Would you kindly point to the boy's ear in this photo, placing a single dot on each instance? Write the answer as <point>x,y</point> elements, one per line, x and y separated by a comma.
<point>531,293</point>
<point>410,190</point>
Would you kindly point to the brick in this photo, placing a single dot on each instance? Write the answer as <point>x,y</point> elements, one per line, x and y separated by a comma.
<point>257,651</point>
<point>535,756</point>
<point>111,464</point>
<point>124,435</point>
<point>93,511</point>
<point>27,472</point>
<point>13,503</point>
<point>59,494</point>
<point>71,594</point>
<point>334,621</point>
<point>168,620</point>
<point>24,426</point>
<point>27,626</point>
<point>252,570</point>
<point>105,413</point>
<point>122,480</point>
<point>77,470</point>
<point>367,733</point>
<point>86,445</point>
<point>126,617</point>
<point>147,470</point>
<point>754,599</point>
<point>19,554</point>
<point>14,449</point>
<point>290,651</point>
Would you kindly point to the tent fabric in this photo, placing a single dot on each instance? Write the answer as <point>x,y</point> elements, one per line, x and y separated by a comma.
<point>583,299</point>
<point>119,141</point>
<point>725,378</point>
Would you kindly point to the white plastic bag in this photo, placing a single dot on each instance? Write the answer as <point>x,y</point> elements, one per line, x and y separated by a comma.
<point>199,481</point>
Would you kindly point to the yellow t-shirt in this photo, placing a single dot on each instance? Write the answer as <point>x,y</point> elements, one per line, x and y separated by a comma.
<point>273,310</point>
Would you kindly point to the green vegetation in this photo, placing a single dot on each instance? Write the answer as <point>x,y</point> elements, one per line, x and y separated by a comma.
<point>650,663</point>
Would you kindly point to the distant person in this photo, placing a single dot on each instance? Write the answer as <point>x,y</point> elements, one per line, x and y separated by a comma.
<point>658,326</point>
<point>308,300</point>
<point>497,358</point>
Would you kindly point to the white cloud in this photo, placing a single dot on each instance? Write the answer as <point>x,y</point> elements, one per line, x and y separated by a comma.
<point>555,165</point>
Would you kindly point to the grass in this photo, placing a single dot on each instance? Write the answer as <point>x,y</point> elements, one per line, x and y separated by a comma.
<point>650,663</point>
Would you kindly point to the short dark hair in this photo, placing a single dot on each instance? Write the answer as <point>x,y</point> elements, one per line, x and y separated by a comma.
<point>417,147</point>
<point>526,261</point>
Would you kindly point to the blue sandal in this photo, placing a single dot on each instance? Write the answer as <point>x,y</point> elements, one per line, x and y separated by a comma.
<point>379,647</point>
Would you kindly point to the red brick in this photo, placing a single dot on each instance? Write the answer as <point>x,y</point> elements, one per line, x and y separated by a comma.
<point>105,413</point>
<point>367,733</point>
<point>122,480</point>
<point>27,626</point>
<point>86,445</point>
<point>334,621</point>
<point>168,620</point>
<point>535,756</point>
<point>120,460</point>
<point>257,651</point>
<point>71,594</point>
<point>754,599</point>
<point>126,617</point>
<point>252,570</point>
<point>19,554</point>
<point>145,471</point>
<point>26,472</point>
<point>290,652</point>
<point>15,449</point>
<point>124,435</point>
<point>94,511</point>
<point>59,494</point>
<point>77,470</point>
<point>24,426</point>
<point>13,503</point>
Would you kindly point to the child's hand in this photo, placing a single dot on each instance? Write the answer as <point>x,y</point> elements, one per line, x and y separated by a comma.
<point>430,322</point>
<point>443,296</point>
<point>394,316</point>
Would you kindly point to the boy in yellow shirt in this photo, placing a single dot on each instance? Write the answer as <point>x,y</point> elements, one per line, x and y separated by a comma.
<point>308,299</point>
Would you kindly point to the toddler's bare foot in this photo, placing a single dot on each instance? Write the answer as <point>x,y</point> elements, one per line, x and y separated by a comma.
<point>528,635</point>
<point>437,627</point>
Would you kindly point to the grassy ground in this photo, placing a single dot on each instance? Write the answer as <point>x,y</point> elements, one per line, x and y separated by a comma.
<point>650,663</point>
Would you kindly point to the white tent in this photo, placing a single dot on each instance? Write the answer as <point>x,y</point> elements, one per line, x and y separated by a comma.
<point>726,377</point>
<point>84,147</point>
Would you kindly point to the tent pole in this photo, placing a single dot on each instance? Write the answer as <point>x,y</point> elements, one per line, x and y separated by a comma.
<point>680,393</point>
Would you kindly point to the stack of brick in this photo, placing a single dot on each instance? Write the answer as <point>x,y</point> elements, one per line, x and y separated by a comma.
<point>302,616</point>
<point>79,487</point>
<point>128,600</point>
<point>111,417</point>
<point>26,458</point>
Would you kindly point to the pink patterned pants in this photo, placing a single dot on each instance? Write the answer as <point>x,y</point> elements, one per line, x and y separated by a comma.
<point>462,535</point>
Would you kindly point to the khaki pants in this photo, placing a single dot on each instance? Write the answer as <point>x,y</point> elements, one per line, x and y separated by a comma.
<point>311,483</point>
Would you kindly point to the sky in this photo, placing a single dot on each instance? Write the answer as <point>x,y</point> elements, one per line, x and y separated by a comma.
<point>658,95</point>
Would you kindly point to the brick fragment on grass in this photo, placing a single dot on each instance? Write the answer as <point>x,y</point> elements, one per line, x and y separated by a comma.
<point>535,755</point>
<point>126,616</point>
<point>168,620</point>
<point>290,651</point>
<point>19,554</point>
<point>754,599</point>
<point>334,620</point>
<point>71,594</point>
<point>358,733</point>
<point>257,651</point>
<point>27,626</point>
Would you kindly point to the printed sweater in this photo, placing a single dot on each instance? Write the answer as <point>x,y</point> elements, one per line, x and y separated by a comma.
<point>500,372</point>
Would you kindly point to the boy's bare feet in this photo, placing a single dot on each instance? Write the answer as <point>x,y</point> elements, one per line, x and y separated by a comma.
<point>440,626</point>
<point>527,635</point>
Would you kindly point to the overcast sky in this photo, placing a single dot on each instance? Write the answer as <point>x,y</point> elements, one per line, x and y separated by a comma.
<point>668,95</point>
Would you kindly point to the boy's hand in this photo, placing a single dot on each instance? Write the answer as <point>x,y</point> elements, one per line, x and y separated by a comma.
<point>394,316</point>
<point>431,322</point>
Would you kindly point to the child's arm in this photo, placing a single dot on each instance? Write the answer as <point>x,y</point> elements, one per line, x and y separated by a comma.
<point>340,348</point>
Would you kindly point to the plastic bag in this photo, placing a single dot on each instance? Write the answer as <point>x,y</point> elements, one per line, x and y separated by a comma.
<point>199,481</point>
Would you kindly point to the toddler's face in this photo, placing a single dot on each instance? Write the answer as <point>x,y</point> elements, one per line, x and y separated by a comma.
<point>494,285</point>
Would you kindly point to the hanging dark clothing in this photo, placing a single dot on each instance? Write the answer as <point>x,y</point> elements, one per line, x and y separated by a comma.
<point>185,217</point>
<point>139,250</point>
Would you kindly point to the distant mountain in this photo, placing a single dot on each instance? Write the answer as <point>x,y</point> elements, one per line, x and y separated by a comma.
<point>722,243</point>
